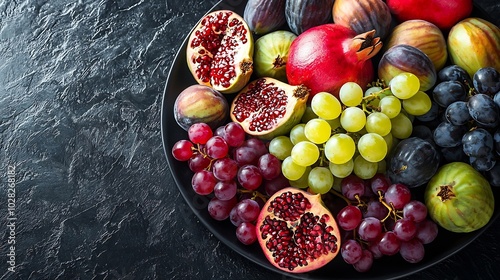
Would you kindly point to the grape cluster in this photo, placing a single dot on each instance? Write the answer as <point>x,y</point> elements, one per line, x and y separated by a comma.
<point>382,219</point>
<point>465,120</point>
<point>349,134</point>
<point>237,172</point>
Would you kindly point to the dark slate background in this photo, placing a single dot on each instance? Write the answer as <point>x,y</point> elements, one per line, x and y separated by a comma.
<point>81,85</point>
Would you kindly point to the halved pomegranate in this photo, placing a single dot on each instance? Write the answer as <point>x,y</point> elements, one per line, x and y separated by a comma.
<point>267,107</point>
<point>296,232</point>
<point>220,50</point>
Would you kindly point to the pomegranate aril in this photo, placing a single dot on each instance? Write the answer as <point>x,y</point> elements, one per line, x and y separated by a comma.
<point>203,182</point>
<point>249,177</point>
<point>216,147</point>
<point>182,150</point>
<point>234,134</point>
<point>199,133</point>
<point>225,190</point>
<point>269,166</point>
<point>225,169</point>
<point>246,233</point>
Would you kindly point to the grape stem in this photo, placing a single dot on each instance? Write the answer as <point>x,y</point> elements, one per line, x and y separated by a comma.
<point>255,194</point>
<point>336,193</point>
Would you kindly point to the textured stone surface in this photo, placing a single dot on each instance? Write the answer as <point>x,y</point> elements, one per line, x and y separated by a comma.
<point>81,85</point>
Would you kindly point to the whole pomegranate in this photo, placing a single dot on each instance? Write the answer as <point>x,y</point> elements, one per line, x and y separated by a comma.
<point>325,57</point>
<point>296,232</point>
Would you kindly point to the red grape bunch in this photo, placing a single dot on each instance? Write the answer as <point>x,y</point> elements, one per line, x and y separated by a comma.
<point>382,219</point>
<point>237,172</point>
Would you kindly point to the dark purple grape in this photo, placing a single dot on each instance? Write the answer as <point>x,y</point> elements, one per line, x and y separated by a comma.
<point>483,163</point>
<point>477,143</point>
<point>452,154</point>
<point>493,175</point>
<point>431,115</point>
<point>449,135</point>
<point>455,73</point>
<point>448,92</point>
<point>486,80</point>
<point>496,99</point>
<point>422,132</point>
<point>496,141</point>
<point>483,110</point>
<point>457,113</point>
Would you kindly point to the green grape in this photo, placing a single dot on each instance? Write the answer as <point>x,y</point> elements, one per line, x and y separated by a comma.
<point>372,147</point>
<point>401,126</point>
<point>326,105</point>
<point>353,119</point>
<point>364,169</point>
<point>340,148</point>
<point>418,104</point>
<point>305,153</point>
<point>317,131</point>
<point>337,184</point>
<point>291,170</point>
<point>341,170</point>
<point>280,147</point>
<point>334,123</point>
<point>320,180</point>
<point>390,106</point>
<point>379,123</point>
<point>297,133</point>
<point>375,92</point>
<point>301,183</point>
<point>308,115</point>
<point>351,94</point>
<point>389,140</point>
<point>382,166</point>
<point>404,85</point>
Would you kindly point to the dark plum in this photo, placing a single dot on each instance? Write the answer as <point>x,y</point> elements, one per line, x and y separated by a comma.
<point>483,110</point>
<point>457,113</point>
<point>455,73</point>
<point>449,135</point>
<point>477,143</point>
<point>413,162</point>
<point>448,92</point>
<point>486,80</point>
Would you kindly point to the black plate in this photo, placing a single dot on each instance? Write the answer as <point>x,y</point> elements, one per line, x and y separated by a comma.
<point>179,78</point>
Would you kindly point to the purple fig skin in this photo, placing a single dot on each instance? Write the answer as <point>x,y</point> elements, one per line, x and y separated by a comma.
<point>264,16</point>
<point>304,14</point>
<point>200,103</point>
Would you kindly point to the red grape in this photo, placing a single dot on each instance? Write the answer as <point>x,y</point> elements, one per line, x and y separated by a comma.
<point>349,217</point>
<point>216,147</point>
<point>203,182</point>
<point>182,150</point>
<point>199,133</point>
<point>249,177</point>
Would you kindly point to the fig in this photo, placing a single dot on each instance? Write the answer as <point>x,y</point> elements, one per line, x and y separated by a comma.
<point>264,16</point>
<point>271,54</point>
<point>219,51</point>
<point>296,232</point>
<point>304,14</point>
<point>474,43</point>
<point>443,13</point>
<point>267,107</point>
<point>363,16</point>
<point>413,162</point>
<point>459,198</point>
<point>325,57</point>
<point>422,35</point>
<point>405,58</point>
<point>200,104</point>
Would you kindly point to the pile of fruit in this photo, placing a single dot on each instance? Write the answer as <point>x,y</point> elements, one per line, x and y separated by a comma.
<point>304,105</point>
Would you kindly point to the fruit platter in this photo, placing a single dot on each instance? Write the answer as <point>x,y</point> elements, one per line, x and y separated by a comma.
<point>338,139</point>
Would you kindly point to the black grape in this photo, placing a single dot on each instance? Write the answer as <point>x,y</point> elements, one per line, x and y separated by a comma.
<point>483,163</point>
<point>496,99</point>
<point>448,135</point>
<point>458,113</point>
<point>452,154</point>
<point>431,115</point>
<point>478,143</point>
<point>486,80</point>
<point>448,92</point>
<point>496,141</point>
<point>483,110</point>
<point>493,175</point>
<point>455,73</point>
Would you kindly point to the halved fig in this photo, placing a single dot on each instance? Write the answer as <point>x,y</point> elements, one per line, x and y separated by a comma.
<point>296,232</point>
<point>267,107</point>
<point>220,50</point>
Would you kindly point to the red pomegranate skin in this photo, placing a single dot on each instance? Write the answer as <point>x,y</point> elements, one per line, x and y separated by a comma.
<point>323,58</point>
<point>443,13</point>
